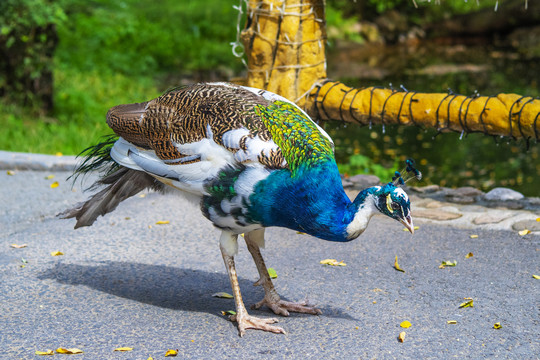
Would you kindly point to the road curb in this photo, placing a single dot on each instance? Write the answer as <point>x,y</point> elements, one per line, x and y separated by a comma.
<point>39,162</point>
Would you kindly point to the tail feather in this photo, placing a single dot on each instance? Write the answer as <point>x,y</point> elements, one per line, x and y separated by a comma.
<point>121,185</point>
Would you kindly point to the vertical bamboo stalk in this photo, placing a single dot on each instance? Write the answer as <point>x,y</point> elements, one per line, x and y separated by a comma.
<point>285,42</point>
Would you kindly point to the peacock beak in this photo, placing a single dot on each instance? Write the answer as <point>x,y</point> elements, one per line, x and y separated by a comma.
<point>408,223</point>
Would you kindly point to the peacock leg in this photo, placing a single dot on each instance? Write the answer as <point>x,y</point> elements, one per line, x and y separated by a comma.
<point>244,320</point>
<point>255,240</point>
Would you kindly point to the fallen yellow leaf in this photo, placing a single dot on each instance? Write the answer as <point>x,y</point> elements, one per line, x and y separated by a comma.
<point>538,219</point>
<point>171,352</point>
<point>524,232</point>
<point>11,172</point>
<point>222,294</point>
<point>332,262</point>
<point>123,349</point>
<point>49,177</point>
<point>142,195</point>
<point>57,253</point>
<point>468,303</point>
<point>405,324</point>
<point>473,236</point>
<point>497,325</point>
<point>228,312</point>
<point>162,222</point>
<point>48,352</point>
<point>272,273</point>
<point>469,255</point>
<point>401,336</point>
<point>396,265</point>
<point>54,185</point>
<point>415,228</point>
<point>452,322</point>
<point>301,233</point>
<point>150,358</point>
<point>537,277</point>
<point>448,263</point>
<point>15,246</point>
<point>58,153</point>
<point>69,351</point>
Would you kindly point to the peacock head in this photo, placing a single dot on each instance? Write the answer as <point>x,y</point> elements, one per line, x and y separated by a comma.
<point>392,201</point>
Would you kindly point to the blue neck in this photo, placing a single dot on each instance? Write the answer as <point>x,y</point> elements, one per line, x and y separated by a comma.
<point>313,201</point>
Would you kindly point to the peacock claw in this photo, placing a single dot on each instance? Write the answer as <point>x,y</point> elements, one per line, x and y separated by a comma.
<point>252,322</point>
<point>282,307</point>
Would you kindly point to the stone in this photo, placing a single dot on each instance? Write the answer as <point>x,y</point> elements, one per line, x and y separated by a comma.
<point>532,225</point>
<point>346,183</point>
<point>364,181</point>
<point>463,195</point>
<point>490,218</point>
<point>440,215</point>
<point>426,189</point>
<point>503,194</point>
<point>433,204</point>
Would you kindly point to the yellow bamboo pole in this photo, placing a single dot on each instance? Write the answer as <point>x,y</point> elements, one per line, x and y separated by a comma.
<point>503,114</point>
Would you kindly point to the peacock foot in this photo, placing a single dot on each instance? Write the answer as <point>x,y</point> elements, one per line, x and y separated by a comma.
<point>282,307</point>
<point>247,321</point>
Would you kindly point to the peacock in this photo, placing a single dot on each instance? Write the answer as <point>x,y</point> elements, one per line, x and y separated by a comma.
<point>251,159</point>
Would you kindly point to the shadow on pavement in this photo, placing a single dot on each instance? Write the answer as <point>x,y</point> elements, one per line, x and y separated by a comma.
<point>164,286</point>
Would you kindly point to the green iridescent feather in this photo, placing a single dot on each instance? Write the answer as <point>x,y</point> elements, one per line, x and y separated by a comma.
<point>299,139</point>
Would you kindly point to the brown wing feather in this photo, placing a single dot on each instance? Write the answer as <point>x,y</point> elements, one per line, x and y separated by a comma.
<point>182,116</point>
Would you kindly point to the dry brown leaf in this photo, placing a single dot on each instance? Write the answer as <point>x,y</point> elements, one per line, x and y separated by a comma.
<point>396,265</point>
<point>62,350</point>
<point>171,352</point>
<point>125,348</point>
<point>57,253</point>
<point>162,222</point>
<point>401,336</point>
<point>48,352</point>
<point>54,185</point>
<point>15,246</point>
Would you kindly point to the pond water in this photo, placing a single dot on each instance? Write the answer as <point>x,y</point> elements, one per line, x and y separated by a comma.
<point>447,159</point>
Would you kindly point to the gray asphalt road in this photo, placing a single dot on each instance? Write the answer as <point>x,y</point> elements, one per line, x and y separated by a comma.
<point>122,283</point>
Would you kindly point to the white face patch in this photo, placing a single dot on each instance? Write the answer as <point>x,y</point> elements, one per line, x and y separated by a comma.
<point>400,193</point>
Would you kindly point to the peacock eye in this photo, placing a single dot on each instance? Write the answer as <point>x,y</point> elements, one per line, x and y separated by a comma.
<point>394,205</point>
